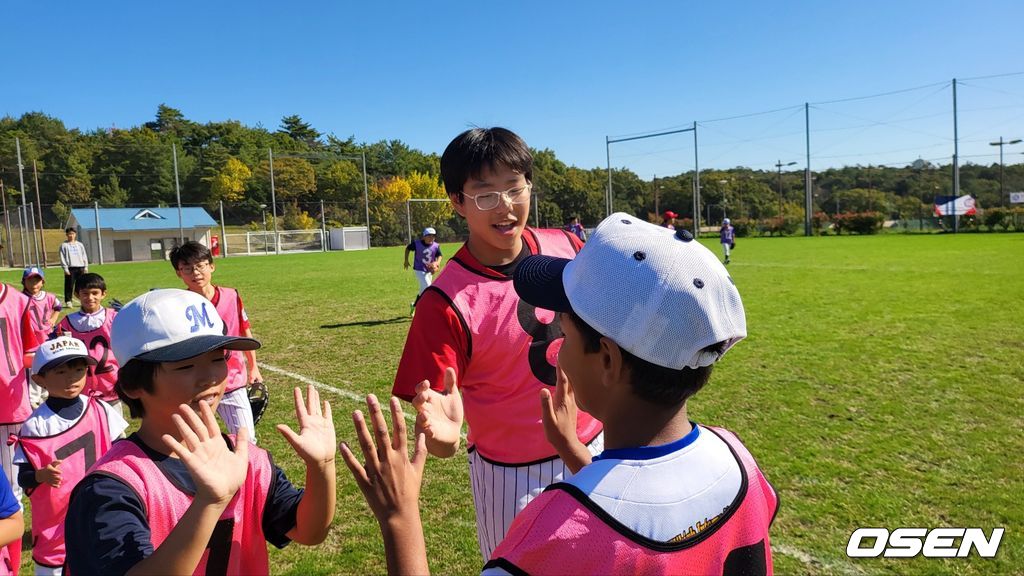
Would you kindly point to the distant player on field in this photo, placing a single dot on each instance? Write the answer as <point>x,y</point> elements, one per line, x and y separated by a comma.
<point>428,258</point>
<point>45,309</point>
<point>471,326</point>
<point>193,263</point>
<point>667,495</point>
<point>727,237</point>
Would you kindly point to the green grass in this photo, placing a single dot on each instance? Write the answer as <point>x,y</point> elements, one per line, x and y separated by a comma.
<point>880,385</point>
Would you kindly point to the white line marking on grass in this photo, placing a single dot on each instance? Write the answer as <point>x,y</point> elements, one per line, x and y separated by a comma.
<point>339,391</point>
<point>320,385</point>
<point>834,567</point>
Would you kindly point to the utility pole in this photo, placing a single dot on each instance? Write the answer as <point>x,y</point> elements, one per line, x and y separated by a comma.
<point>1001,143</point>
<point>39,208</point>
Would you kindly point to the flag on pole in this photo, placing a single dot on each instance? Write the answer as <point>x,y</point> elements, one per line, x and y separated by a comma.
<point>953,206</point>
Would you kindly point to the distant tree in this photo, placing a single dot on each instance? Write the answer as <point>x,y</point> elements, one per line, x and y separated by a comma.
<point>294,178</point>
<point>229,183</point>
<point>111,195</point>
<point>169,121</point>
<point>299,130</point>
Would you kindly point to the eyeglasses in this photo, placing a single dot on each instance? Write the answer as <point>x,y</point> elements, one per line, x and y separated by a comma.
<point>199,267</point>
<point>491,200</point>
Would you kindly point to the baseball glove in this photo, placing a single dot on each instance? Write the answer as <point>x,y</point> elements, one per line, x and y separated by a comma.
<point>259,397</point>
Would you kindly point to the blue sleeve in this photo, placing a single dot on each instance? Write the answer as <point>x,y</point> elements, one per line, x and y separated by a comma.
<point>279,513</point>
<point>106,531</point>
<point>8,505</point>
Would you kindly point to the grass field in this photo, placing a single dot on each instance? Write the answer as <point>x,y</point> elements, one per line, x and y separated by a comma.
<point>880,385</point>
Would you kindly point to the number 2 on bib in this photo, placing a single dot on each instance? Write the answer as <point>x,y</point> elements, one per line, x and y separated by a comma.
<point>542,337</point>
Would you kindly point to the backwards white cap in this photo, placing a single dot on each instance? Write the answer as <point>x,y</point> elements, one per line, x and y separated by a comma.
<point>658,293</point>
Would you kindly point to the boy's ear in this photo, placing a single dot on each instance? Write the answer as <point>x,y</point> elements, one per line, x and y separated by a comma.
<point>38,379</point>
<point>611,361</point>
<point>459,207</point>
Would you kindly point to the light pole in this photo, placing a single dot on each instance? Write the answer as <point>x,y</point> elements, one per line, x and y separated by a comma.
<point>266,244</point>
<point>725,199</point>
<point>779,166</point>
<point>1001,143</point>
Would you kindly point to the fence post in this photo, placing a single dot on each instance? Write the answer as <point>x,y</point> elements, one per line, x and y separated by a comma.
<point>223,232</point>
<point>99,235</point>
<point>323,227</point>
<point>39,208</point>
<point>248,244</point>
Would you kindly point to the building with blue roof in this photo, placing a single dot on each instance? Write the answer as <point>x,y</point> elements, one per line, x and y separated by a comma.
<point>127,234</point>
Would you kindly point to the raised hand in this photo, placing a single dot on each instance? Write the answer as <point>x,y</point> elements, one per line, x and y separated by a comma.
<point>315,442</point>
<point>439,416</point>
<point>390,482</point>
<point>558,413</point>
<point>50,475</point>
<point>217,471</point>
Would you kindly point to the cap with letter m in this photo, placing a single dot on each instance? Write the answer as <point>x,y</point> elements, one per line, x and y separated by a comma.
<point>170,325</point>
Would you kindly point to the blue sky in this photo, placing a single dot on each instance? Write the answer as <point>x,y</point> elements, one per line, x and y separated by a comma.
<point>563,74</point>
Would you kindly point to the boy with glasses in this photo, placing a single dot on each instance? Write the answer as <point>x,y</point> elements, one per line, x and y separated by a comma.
<point>193,263</point>
<point>470,326</point>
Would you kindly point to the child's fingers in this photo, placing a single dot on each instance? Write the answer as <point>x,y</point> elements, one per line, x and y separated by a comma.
<point>365,441</point>
<point>312,401</point>
<point>357,470</point>
<point>419,456</point>
<point>329,416</point>
<point>242,442</point>
<point>380,427</point>
<point>398,422</point>
<point>450,384</point>
<point>177,447</point>
<point>300,406</point>
<point>209,419</point>
<point>188,436</point>
<point>547,411</point>
<point>191,419</point>
<point>289,435</point>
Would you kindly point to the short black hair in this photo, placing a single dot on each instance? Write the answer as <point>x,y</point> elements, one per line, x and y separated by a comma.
<point>479,148</point>
<point>653,383</point>
<point>70,229</point>
<point>88,281</point>
<point>190,252</point>
<point>135,375</point>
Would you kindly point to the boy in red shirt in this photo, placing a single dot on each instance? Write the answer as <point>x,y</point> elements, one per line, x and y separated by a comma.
<point>471,326</point>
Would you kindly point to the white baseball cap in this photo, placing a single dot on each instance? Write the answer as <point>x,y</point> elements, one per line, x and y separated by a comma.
<point>725,220</point>
<point>168,326</point>
<point>61,350</point>
<point>428,231</point>
<point>657,293</point>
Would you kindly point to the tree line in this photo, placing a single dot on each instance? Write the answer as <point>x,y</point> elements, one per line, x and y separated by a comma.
<point>228,162</point>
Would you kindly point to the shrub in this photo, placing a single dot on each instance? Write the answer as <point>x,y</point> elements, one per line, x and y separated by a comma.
<point>997,218</point>
<point>858,222</point>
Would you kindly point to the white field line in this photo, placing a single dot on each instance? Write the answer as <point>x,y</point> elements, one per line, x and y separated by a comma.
<point>833,567</point>
<point>361,399</point>
<point>347,394</point>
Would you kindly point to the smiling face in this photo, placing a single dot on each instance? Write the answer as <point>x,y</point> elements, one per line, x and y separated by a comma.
<point>64,381</point>
<point>32,284</point>
<point>190,381</point>
<point>91,299</point>
<point>197,276</point>
<point>495,236</point>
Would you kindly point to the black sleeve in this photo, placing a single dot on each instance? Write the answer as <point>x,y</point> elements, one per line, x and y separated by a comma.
<point>279,513</point>
<point>27,475</point>
<point>411,246</point>
<point>106,530</point>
